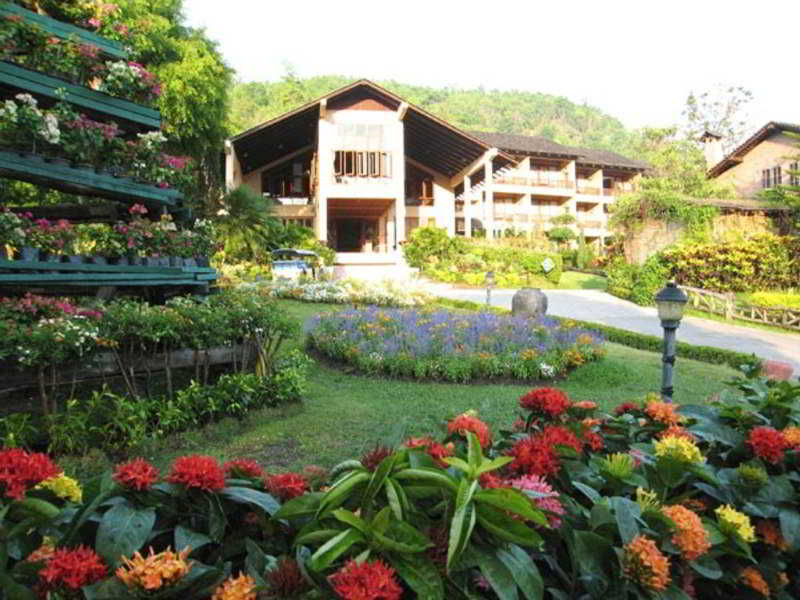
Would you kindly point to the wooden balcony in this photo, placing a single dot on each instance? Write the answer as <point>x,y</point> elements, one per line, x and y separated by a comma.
<point>83,181</point>
<point>535,180</point>
<point>64,31</point>
<point>98,105</point>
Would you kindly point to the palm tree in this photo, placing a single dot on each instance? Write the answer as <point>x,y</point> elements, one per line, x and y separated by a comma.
<point>244,224</point>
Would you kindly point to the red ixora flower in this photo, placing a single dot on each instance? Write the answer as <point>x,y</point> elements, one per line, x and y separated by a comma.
<point>434,449</point>
<point>627,407</point>
<point>137,474</point>
<point>767,443</point>
<point>534,456</point>
<point>464,423</point>
<point>72,568</point>
<point>243,467</point>
<point>545,401</point>
<point>20,470</point>
<point>561,436</point>
<point>286,485</point>
<point>197,471</point>
<point>594,440</point>
<point>372,580</point>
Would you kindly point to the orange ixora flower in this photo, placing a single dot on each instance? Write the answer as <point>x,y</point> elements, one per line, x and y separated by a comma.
<point>644,564</point>
<point>677,431</point>
<point>242,587</point>
<point>154,572</point>
<point>770,533</point>
<point>754,580</point>
<point>792,436</point>
<point>690,535</point>
<point>663,412</point>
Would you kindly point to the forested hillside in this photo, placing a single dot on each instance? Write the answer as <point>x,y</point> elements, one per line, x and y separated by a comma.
<point>520,112</point>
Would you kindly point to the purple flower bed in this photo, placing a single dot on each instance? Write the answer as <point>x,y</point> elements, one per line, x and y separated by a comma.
<point>452,346</point>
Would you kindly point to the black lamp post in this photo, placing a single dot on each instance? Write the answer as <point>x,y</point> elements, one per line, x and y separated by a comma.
<point>489,280</point>
<point>670,302</point>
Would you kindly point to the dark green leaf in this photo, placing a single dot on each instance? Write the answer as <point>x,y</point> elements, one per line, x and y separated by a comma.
<point>506,527</point>
<point>187,538</point>
<point>523,570</point>
<point>350,518</point>
<point>430,476</point>
<point>15,591</point>
<point>513,501</point>
<point>420,575</point>
<point>625,513</point>
<point>790,527</point>
<point>122,531</point>
<point>498,575</point>
<point>216,519</point>
<point>339,493</point>
<point>334,548</point>
<point>378,478</point>
<point>707,567</point>
<point>244,495</point>
<point>461,527</point>
<point>302,506</point>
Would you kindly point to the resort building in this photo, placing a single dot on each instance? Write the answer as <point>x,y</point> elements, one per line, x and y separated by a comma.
<point>765,160</point>
<point>364,168</point>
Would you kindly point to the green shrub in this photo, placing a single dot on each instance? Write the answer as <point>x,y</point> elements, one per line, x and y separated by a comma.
<point>425,243</point>
<point>762,262</point>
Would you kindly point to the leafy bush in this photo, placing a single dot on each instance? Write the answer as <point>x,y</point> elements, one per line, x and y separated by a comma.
<point>762,262</point>
<point>638,284</point>
<point>443,345</point>
<point>425,243</point>
<point>653,501</point>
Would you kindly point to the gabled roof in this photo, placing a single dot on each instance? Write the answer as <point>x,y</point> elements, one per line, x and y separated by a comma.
<point>541,146</point>
<point>735,157</point>
<point>428,139</point>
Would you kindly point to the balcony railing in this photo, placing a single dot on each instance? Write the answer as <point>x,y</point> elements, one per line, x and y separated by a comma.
<point>590,191</point>
<point>589,224</point>
<point>535,180</point>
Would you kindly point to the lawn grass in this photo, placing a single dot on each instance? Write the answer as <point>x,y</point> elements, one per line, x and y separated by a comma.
<point>345,414</point>
<point>573,280</point>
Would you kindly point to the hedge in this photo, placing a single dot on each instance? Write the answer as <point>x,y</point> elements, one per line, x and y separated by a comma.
<point>632,339</point>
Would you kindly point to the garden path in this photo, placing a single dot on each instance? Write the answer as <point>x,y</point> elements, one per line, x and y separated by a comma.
<point>600,307</point>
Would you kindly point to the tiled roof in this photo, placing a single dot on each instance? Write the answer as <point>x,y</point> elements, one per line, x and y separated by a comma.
<point>534,144</point>
<point>759,136</point>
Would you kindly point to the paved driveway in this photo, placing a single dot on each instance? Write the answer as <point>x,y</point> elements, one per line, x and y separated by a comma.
<point>600,307</point>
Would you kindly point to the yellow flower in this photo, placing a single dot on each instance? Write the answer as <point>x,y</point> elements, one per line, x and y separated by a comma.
<point>678,448</point>
<point>644,564</point>
<point>63,487</point>
<point>732,521</point>
<point>690,535</point>
<point>155,571</point>
<point>619,465</point>
<point>754,580</point>
<point>647,499</point>
<point>242,587</point>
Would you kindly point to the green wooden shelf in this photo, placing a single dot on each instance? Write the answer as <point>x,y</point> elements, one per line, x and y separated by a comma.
<point>87,182</point>
<point>17,272</point>
<point>64,31</point>
<point>98,105</point>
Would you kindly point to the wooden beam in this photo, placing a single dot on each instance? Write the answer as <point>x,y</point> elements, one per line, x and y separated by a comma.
<point>401,111</point>
<point>428,170</point>
<point>323,108</point>
<point>282,159</point>
<point>473,166</point>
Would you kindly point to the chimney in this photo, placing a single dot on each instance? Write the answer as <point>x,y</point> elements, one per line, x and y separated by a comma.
<point>712,148</point>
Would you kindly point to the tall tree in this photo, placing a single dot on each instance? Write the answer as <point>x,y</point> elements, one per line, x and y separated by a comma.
<point>721,110</point>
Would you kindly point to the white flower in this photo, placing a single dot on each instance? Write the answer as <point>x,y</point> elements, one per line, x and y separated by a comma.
<point>9,111</point>
<point>27,99</point>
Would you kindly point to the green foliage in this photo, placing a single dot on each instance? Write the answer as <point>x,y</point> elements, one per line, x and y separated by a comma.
<point>426,243</point>
<point>552,504</point>
<point>638,284</point>
<point>462,260</point>
<point>243,224</point>
<point>762,262</point>
<point>511,111</point>
<point>561,234</point>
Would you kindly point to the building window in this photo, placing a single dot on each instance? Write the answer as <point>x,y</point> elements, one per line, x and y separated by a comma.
<point>777,179</point>
<point>794,175</point>
<point>356,163</point>
<point>766,178</point>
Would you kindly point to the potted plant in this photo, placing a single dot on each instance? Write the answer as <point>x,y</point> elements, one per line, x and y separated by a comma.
<point>53,238</point>
<point>12,231</point>
<point>104,241</point>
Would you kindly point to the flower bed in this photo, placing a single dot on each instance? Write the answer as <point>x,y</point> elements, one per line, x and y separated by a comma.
<point>654,501</point>
<point>350,291</point>
<point>450,346</point>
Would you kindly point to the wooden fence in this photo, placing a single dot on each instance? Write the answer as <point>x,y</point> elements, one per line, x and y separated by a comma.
<point>726,305</point>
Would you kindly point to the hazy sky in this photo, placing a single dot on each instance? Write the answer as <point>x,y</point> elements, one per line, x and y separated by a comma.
<point>636,60</point>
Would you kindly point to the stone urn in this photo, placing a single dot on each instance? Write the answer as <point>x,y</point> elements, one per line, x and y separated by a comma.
<point>529,302</point>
